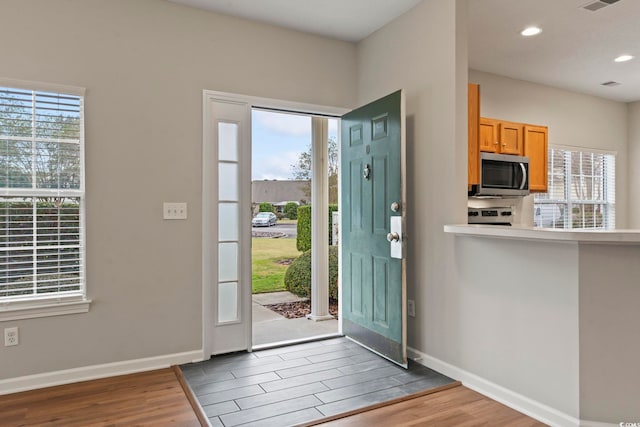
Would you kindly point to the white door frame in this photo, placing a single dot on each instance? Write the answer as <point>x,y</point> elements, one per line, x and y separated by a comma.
<point>209,210</point>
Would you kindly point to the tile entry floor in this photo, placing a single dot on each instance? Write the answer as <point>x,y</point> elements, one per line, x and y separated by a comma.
<point>300,383</point>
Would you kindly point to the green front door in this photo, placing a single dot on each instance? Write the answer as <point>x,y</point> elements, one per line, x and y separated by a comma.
<point>373,288</point>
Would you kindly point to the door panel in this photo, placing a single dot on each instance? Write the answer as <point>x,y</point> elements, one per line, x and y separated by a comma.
<point>373,282</point>
<point>488,135</point>
<point>536,148</point>
<point>511,138</point>
<point>380,200</point>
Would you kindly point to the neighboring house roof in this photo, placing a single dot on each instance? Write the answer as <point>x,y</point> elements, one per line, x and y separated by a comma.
<point>275,191</point>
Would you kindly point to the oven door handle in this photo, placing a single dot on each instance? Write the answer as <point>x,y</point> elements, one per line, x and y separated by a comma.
<point>524,176</point>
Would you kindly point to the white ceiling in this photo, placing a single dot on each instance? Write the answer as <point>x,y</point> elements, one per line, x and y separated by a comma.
<point>575,51</point>
<point>349,20</point>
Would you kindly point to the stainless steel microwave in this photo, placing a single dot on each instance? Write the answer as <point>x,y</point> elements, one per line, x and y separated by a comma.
<point>502,175</point>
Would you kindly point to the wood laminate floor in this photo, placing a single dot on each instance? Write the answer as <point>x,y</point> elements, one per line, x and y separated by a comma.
<point>153,398</point>
<point>455,407</point>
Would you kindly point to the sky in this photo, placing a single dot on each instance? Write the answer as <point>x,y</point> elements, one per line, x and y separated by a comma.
<point>277,140</point>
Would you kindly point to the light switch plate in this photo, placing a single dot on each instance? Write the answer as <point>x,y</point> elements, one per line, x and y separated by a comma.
<point>173,210</point>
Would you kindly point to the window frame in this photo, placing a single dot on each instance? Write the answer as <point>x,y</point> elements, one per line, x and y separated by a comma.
<point>608,190</point>
<point>55,304</point>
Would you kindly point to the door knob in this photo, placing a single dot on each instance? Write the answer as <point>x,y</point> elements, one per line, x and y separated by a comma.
<point>393,237</point>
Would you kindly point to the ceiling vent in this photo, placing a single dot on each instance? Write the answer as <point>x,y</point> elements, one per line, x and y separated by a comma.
<point>598,4</point>
<point>610,84</point>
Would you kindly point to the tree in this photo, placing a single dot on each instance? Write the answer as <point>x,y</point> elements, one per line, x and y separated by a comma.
<point>55,158</point>
<point>291,210</point>
<point>302,169</point>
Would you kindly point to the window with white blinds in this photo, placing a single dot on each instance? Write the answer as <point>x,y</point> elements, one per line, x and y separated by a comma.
<point>581,193</point>
<point>42,254</point>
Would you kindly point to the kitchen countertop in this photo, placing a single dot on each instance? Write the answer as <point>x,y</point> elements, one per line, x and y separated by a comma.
<point>617,236</point>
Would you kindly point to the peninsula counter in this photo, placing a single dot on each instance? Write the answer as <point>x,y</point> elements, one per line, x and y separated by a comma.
<point>553,316</point>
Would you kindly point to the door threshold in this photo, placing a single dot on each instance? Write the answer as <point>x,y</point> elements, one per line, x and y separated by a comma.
<point>293,342</point>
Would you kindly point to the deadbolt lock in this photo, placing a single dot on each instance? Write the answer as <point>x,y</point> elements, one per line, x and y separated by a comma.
<point>366,173</point>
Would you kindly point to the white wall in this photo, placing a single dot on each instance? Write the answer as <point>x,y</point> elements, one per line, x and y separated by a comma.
<point>144,64</point>
<point>609,333</point>
<point>517,330</point>
<point>633,162</point>
<point>424,52</point>
<point>573,119</point>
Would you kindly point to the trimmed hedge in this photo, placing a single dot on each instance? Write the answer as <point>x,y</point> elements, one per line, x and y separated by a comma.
<point>265,207</point>
<point>297,279</point>
<point>303,241</point>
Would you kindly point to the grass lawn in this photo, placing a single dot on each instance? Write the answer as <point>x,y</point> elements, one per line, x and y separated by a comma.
<point>267,274</point>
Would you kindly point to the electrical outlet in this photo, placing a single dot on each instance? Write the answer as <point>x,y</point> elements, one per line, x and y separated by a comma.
<point>411,308</point>
<point>174,210</point>
<point>11,336</point>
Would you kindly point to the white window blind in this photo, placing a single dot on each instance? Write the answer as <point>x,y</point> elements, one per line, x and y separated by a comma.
<point>41,195</point>
<point>581,191</point>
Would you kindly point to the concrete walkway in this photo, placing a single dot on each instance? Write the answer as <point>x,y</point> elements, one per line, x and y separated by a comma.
<point>270,327</point>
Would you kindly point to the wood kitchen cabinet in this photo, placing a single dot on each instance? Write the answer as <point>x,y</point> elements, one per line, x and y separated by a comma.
<point>499,136</point>
<point>474,122</point>
<point>536,148</point>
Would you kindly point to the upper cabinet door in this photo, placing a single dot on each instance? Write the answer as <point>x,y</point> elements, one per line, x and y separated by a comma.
<point>511,139</point>
<point>498,136</point>
<point>489,135</point>
<point>536,148</point>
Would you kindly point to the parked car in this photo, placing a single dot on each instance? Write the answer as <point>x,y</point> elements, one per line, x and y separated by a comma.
<point>264,219</point>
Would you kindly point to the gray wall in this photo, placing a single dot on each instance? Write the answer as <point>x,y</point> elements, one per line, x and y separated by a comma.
<point>633,162</point>
<point>573,119</point>
<point>424,52</point>
<point>144,64</point>
<point>517,330</point>
<point>609,332</point>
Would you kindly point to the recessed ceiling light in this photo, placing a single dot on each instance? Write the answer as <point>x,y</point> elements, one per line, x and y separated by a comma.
<point>530,31</point>
<point>623,58</point>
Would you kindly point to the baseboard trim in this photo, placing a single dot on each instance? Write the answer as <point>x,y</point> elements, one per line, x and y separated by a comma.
<point>520,403</point>
<point>93,372</point>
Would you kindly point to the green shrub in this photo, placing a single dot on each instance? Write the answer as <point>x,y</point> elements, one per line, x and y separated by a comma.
<point>265,207</point>
<point>291,210</point>
<point>297,279</point>
<point>303,241</point>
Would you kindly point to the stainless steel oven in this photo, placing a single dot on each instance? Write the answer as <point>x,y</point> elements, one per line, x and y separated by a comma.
<point>502,175</point>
